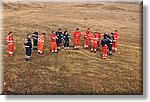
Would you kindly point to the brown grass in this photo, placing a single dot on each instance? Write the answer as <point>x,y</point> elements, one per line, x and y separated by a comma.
<point>74,72</point>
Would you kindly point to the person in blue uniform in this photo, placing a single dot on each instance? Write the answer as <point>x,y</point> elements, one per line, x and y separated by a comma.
<point>106,38</point>
<point>111,41</point>
<point>66,37</point>
<point>104,43</point>
<point>28,47</point>
<point>35,39</point>
<point>60,38</point>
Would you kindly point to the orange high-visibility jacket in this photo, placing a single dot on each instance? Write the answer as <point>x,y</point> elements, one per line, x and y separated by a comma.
<point>41,40</point>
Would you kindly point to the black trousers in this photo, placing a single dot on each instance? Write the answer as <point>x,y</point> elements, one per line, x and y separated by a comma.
<point>28,52</point>
<point>110,47</point>
<point>59,42</point>
<point>66,44</point>
<point>35,43</point>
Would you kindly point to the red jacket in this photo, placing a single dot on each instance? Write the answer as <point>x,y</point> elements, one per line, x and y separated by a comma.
<point>77,35</point>
<point>94,39</point>
<point>10,40</point>
<point>98,35</point>
<point>116,36</point>
<point>53,37</point>
<point>87,35</point>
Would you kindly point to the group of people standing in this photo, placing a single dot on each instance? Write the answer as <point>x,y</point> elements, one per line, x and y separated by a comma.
<point>109,42</point>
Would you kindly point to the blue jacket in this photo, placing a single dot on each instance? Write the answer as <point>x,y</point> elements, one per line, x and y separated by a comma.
<point>59,35</point>
<point>35,36</point>
<point>105,41</point>
<point>66,37</point>
<point>28,42</point>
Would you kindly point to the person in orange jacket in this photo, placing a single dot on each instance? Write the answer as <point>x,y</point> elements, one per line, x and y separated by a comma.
<point>99,38</point>
<point>41,43</point>
<point>53,42</point>
<point>77,34</point>
<point>115,44</point>
<point>10,42</point>
<point>94,40</point>
<point>87,36</point>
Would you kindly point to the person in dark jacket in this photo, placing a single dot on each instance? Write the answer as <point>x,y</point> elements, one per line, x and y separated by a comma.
<point>105,39</point>
<point>104,44</point>
<point>66,37</point>
<point>111,41</point>
<point>60,38</point>
<point>28,47</point>
<point>35,39</point>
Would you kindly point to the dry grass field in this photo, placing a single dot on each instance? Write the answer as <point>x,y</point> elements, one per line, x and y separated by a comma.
<point>71,71</point>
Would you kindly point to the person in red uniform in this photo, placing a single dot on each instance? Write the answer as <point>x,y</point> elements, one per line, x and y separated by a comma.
<point>10,42</point>
<point>53,42</point>
<point>104,44</point>
<point>77,34</point>
<point>41,43</point>
<point>87,36</point>
<point>104,51</point>
<point>99,38</point>
<point>94,40</point>
<point>115,44</point>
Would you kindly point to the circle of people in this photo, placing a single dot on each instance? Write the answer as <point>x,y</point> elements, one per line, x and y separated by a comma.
<point>109,42</point>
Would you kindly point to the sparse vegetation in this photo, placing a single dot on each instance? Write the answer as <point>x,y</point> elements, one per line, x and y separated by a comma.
<point>74,72</point>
